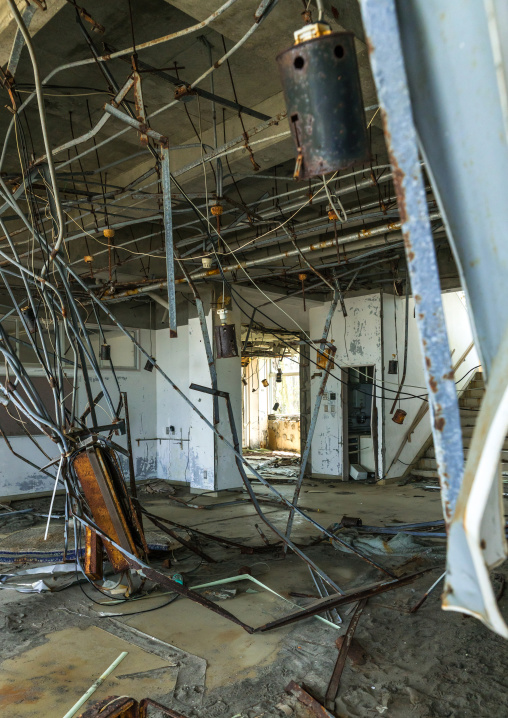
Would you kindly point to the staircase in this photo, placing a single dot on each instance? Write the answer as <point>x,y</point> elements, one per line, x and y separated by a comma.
<point>426,465</point>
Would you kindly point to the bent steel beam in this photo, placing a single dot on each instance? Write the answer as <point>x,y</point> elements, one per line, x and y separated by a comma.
<point>446,69</point>
<point>380,21</point>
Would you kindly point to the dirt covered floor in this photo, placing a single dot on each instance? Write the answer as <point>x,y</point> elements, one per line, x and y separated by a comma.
<point>425,664</point>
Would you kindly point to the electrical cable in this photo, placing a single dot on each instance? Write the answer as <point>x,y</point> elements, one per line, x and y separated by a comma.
<point>334,376</point>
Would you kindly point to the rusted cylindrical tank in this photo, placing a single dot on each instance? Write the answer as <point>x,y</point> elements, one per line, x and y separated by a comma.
<point>324,102</point>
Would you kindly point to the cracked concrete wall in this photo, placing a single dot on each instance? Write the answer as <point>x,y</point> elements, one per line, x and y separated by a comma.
<point>358,341</point>
<point>284,433</point>
<point>189,452</point>
<point>372,334</point>
<point>460,337</point>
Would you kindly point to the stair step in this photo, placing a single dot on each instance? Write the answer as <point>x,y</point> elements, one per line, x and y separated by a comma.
<point>430,455</point>
<point>425,473</point>
<point>466,441</point>
<point>470,402</point>
<point>476,384</point>
<point>426,463</point>
<point>468,423</point>
<point>433,474</point>
<point>472,393</point>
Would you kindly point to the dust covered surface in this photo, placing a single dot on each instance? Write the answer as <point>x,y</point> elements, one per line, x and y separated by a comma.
<point>420,665</point>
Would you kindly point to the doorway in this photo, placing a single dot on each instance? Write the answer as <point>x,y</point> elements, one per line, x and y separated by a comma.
<point>271,402</point>
<point>359,422</point>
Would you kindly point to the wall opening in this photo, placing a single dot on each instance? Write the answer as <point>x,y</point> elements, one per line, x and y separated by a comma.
<point>359,416</point>
<point>271,402</point>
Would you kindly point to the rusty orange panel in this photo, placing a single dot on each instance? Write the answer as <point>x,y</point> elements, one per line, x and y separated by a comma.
<point>93,555</point>
<point>98,488</point>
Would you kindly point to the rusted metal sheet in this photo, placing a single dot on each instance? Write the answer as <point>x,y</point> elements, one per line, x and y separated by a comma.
<point>225,341</point>
<point>333,686</point>
<point>323,97</point>
<point>125,707</point>
<point>316,708</point>
<point>93,555</point>
<point>104,497</point>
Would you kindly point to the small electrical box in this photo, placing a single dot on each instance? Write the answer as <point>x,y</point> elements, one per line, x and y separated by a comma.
<point>357,472</point>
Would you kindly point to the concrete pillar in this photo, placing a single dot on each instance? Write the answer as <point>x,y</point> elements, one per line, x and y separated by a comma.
<point>187,449</point>
<point>229,377</point>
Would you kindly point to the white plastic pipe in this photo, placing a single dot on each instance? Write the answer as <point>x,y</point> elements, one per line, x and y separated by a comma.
<point>75,708</point>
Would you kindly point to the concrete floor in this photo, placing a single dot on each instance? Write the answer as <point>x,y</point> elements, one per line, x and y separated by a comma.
<point>430,663</point>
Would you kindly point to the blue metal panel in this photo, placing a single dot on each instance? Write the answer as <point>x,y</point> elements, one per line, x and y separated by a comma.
<point>383,39</point>
<point>455,96</point>
<point>168,236</point>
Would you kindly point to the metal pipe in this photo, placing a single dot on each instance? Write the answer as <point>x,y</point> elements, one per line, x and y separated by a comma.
<point>406,338</point>
<point>44,129</point>
<point>315,413</point>
<point>388,67</point>
<point>168,238</point>
<point>209,273</point>
<point>132,122</point>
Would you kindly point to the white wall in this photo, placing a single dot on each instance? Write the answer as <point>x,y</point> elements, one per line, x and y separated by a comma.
<point>373,333</point>
<point>193,454</point>
<point>18,478</point>
<point>358,341</point>
<point>188,453</point>
<point>460,337</point>
<point>229,372</point>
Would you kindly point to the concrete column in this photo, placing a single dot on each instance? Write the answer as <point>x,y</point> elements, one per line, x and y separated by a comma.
<point>229,377</point>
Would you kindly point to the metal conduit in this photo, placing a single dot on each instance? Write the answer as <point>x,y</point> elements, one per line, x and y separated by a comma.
<point>209,273</point>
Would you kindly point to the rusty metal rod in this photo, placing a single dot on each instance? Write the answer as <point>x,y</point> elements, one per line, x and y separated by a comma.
<point>333,686</point>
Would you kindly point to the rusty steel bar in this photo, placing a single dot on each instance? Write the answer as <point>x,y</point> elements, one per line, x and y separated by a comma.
<point>333,686</point>
<point>209,537</point>
<point>307,700</point>
<point>140,106</point>
<point>180,539</point>
<point>383,40</point>
<point>427,593</point>
<point>133,122</point>
<point>317,405</point>
<point>324,604</point>
<point>178,81</point>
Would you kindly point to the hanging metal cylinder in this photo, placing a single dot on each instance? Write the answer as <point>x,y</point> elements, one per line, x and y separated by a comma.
<point>29,316</point>
<point>324,101</point>
<point>225,341</point>
<point>105,352</point>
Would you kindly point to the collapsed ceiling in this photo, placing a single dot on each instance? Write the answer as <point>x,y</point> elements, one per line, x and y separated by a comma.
<point>135,164</point>
<point>231,154</point>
